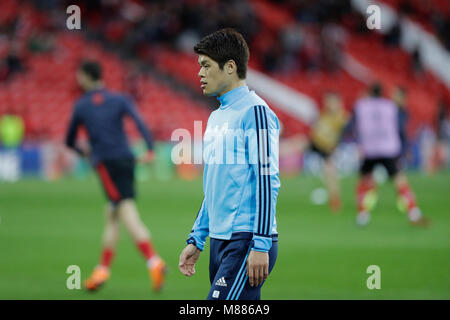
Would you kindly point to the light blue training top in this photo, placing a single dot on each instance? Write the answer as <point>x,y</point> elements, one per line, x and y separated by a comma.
<point>241,175</point>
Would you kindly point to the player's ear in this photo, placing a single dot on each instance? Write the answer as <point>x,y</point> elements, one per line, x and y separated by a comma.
<point>230,67</point>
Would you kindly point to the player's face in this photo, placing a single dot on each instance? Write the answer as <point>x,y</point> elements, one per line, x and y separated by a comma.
<point>213,80</point>
<point>82,79</point>
<point>333,103</point>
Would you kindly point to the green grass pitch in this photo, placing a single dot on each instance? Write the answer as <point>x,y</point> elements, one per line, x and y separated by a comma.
<point>47,226</point>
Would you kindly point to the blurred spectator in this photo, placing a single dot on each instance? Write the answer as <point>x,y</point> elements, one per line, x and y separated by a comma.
<point>332,40</point>
<point>394,35</point>
<point>292,39</point>
<point>11,130</point>
<point>41,42</point>
<point>272,58</point>
<point>10,65</point>
<point>14,63</point>
<point>310,55</point>
<point>416,63</point>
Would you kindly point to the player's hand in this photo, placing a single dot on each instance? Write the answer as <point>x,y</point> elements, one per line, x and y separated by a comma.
<point>87,153</point>
<point>146,158</point>
<point>257,267</point>
<point>188,259</point>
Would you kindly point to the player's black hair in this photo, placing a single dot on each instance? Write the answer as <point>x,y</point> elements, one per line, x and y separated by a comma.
<point>224,45</point>
<point>92,69</point>
<point>376,90</point>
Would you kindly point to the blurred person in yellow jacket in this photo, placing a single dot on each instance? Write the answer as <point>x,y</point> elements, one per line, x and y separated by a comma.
<point>325,136</point>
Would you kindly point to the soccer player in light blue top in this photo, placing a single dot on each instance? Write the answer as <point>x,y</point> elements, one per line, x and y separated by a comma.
<point>240,181</point>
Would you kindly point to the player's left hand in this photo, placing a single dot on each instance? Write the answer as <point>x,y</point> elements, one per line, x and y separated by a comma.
<point>148,157</point>
<point>257,267</point>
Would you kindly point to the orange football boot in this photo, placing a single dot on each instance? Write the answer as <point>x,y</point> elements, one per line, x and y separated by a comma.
<point>157,272</point>
<point>98,277</point>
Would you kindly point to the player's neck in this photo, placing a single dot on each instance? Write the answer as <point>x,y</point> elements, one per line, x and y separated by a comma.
<point>94,86</point>
<point>233,85</point>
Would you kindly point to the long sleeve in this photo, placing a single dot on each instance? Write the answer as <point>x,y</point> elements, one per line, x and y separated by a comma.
<point>262,129</point>
<point>200,230</point>
<point>131,110</point>
<point>72,132</point>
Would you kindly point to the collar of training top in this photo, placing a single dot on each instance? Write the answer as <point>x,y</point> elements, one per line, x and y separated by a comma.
<point>232,96</point>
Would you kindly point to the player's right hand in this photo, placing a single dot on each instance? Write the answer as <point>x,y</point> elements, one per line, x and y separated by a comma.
<point>257,267</point>
<point>188,259</point>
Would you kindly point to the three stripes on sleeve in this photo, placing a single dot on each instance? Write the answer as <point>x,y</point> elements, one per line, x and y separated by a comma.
<point>264,188</point>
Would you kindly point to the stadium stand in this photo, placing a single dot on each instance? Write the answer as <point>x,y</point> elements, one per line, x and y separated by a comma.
<point>432,15</point>
<point>45,92</point>
<point>292,46</point>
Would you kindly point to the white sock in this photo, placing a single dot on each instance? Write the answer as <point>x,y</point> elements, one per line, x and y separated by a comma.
<point>414,214</point>
<point>152,261</point>
<point>362,218</point>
